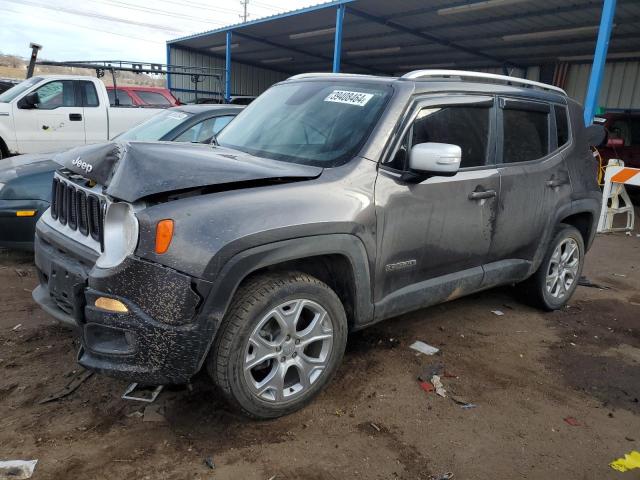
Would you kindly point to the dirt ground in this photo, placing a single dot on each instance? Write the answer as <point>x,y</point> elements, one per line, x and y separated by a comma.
<point>526,371</point>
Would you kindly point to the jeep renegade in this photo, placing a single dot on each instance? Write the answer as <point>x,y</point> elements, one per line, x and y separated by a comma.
<point>333,202</point>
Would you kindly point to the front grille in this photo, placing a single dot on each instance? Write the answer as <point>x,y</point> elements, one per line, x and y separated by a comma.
<point>78,209</point>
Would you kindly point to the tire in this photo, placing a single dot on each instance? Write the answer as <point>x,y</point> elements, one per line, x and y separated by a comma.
<point>274,318</point>
<point>554,296</point>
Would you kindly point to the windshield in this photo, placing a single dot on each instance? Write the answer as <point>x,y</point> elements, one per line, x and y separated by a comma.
<point>316,123</point>
<point>13,92</point>
<point>156,127</point>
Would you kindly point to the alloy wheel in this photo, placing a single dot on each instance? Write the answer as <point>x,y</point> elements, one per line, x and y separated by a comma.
<point>563,268</point>
<point>288,350</point>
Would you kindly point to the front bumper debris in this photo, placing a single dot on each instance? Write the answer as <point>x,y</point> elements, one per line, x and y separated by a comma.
<point>161,339</point>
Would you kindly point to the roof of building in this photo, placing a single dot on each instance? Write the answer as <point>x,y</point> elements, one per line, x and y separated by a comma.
<point>383,37</point>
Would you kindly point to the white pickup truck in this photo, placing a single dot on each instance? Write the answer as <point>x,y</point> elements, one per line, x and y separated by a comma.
<point>54,112</point>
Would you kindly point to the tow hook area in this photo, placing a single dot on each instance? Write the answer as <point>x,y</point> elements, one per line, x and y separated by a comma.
<point>142,393</point>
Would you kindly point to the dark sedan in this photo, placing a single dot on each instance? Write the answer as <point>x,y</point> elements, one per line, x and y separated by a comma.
<point>25,180</point>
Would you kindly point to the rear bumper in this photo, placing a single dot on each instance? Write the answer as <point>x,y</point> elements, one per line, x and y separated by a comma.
<point>161,339</point>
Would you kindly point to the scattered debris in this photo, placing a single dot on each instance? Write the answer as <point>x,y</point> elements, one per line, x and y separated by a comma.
<point>444,476</point>
<point>135,414</point>
<point>429,371</point>
<point>21,273</point>
<point>499,313</point>
<point>427,386</point>
<point>374,426</point>
<point>571,421</point>
<point>630,461</point>
<point>629,439</point>
<point>619,275</point>
<point>585,282</point>
<point>17,469</point>
<point>154,413</point>
<point>339,412</point>
<point>142,393</point>
<point>209,463</point>
<point>273,477</point>
<point>423,348</point>
<point>17,327</point>
<point>463,403</point>
<point>69,388</point>
<point>435,380</point>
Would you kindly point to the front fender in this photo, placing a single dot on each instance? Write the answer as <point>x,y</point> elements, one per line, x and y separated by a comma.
<point>243,264</point>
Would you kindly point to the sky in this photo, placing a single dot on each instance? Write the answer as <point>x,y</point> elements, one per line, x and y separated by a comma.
<point>118,29</point>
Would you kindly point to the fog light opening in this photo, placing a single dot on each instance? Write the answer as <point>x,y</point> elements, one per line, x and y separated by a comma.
<point>111,305</point>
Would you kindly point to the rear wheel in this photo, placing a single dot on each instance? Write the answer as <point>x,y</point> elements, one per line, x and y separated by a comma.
<point>557,277</point>
<point>280,343</point>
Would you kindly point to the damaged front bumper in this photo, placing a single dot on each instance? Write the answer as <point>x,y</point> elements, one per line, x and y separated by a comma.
<point>161,338</point>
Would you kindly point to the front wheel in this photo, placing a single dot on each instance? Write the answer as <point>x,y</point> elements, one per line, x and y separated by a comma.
<point>557,277</point>
<point>280,343</point>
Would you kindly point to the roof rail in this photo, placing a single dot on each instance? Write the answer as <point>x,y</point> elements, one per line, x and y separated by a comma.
<point>325,74</point>
<point>417,74</point>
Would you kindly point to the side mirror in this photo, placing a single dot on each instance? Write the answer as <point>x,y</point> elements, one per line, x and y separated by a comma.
<point>29,101</point>
<point>442,159</point>
<point>595,135</point>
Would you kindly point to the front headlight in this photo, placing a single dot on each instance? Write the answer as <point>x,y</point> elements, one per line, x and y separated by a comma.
<point>120,235</point>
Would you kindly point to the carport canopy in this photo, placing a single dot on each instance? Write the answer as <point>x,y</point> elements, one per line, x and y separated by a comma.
<point>390,38</point>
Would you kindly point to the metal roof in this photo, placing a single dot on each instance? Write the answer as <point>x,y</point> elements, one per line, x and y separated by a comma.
<point>385,37</point>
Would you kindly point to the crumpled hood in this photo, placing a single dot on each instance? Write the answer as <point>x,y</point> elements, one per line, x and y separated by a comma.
<point>19,165</point>
<point>134,170</point>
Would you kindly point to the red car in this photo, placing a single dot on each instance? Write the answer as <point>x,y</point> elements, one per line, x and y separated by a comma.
<point>623,138</point>
<point>134,96</point>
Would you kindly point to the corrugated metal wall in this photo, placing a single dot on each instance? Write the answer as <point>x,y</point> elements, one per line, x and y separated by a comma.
<point>620,87</point>
<point>245,79</point>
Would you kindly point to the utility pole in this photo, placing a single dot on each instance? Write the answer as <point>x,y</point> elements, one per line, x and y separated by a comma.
<point>244,14</point>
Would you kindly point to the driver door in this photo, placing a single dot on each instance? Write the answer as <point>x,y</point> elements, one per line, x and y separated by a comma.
<point>56,123</point>
<point>435,235</point>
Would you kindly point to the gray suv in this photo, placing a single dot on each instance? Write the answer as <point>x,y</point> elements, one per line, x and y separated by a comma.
<point>331,203</point>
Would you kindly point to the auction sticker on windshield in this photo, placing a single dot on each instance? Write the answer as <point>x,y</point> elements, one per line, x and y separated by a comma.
<point>351,98</point>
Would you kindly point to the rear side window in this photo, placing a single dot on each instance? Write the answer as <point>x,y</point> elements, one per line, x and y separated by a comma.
<point>152,98</point>
<point>467,127</point>
<point>526,135</point>
<point>562,125</point>
<point>89,94</point>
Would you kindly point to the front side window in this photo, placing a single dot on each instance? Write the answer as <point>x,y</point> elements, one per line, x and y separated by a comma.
<point>316,122</point>
<point>464,126</point>
<point>204,131</point>
<point>60,93</point>
<point>152,98</point>
<point>526,135</point>
<point>156,127</point>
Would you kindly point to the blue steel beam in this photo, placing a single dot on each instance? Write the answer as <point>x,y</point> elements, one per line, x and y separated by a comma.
<point>337,42</point>
<point>227,69</point>
<point>599,60</point>
<point>168,79</point>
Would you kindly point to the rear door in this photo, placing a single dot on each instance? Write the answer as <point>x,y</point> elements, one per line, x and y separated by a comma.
<point>534,183</point>
<point>435,235</point>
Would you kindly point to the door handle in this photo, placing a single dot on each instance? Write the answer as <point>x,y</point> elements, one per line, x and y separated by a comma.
<point>483,194</point>
<point>75,117</point>
<point>557,182</point>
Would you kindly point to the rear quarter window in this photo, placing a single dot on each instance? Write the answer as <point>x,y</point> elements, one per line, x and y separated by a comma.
<point>562,125</point>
